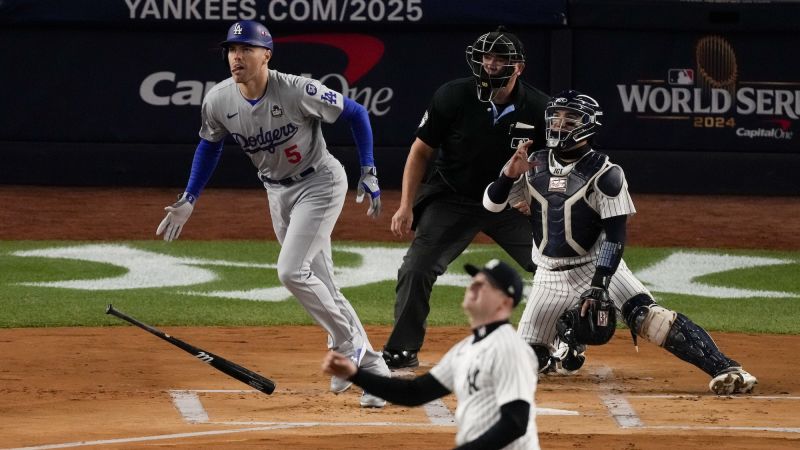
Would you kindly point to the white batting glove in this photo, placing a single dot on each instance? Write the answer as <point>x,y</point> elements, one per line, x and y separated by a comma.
<point>177,215</point>
<point>368,183</point>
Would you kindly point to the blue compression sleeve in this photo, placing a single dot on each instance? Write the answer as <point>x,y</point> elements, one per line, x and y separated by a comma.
<point>205,161</point>
<point>358,118</point>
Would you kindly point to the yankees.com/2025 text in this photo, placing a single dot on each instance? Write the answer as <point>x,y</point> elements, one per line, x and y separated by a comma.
<point>345,10</point>
<point>278,10</point>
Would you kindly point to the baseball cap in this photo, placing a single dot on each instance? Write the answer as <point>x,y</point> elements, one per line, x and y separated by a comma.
<point>516,44</point>
<point>502,276</point>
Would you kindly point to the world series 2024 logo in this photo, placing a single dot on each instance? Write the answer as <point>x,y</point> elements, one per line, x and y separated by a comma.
<point>711,95</point>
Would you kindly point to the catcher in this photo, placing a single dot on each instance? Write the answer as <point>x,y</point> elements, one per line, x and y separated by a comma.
<point>579,203</point>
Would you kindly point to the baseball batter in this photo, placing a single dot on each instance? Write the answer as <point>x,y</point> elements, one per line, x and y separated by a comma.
<point>492,371</point>
<point>276,119</point>
<point>579,204</point>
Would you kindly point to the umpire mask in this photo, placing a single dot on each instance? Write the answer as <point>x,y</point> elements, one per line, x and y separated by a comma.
<point>498,48</point>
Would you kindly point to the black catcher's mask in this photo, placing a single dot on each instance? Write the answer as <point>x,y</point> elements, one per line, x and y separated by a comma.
<point>505,47</point>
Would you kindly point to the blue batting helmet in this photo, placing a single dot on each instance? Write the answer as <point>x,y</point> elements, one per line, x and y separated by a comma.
<point>248,32</point>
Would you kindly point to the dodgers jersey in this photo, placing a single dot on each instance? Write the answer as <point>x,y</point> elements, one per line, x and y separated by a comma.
<point>282,133</point>
<point>485,375</point>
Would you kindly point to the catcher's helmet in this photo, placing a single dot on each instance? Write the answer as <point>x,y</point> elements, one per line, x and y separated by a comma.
<point>248,32</point>
<point>503,45</point>
<point>571,117</point>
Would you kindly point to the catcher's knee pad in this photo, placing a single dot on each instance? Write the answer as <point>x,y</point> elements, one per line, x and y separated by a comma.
<point>648,319</point>
<point>689,342</point>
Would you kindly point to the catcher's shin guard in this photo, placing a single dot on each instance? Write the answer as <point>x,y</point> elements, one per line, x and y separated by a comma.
<point>689,342</point>
<point>676,333</point>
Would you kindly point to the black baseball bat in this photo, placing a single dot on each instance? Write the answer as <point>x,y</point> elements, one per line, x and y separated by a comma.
<point>232,369</point>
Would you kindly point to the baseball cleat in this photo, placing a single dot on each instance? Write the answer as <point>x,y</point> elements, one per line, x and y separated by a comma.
<point>400,359</point>
<point>370,401</point>
<point>568,360</point>
<point>733,381</point>
<point>339,385</point>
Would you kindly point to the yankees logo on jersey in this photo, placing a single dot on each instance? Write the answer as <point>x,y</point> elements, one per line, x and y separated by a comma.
<point>472,377</point>
<point>485,373</point>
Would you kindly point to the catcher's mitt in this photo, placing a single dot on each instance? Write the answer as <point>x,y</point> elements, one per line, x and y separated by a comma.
<point>597,327</point>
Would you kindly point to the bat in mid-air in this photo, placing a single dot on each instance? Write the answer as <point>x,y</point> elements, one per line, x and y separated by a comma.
<point>230,368</point>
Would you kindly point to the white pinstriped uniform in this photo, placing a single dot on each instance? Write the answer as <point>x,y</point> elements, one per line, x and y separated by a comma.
<point>485,375</point>
<point>553,291</point>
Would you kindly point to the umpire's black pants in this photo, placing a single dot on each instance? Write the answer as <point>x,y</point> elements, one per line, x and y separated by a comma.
<point>446,227</point>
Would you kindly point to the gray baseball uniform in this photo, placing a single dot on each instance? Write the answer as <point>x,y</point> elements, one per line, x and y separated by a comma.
<point>306,187</point>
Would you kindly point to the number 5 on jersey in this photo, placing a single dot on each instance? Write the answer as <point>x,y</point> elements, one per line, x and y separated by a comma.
<point>292,155</point>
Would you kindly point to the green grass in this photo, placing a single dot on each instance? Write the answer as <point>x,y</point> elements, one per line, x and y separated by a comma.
<point>37,306</point>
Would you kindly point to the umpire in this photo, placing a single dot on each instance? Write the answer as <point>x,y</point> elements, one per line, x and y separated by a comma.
<point>476,124</point>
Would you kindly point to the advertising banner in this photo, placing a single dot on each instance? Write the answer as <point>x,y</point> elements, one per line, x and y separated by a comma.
<point>276,12</point>
<point>117,86</point>
<point>693,91</point>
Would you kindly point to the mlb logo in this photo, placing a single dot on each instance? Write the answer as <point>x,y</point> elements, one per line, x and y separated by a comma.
<point>680,77</point>
<point>558,184</point>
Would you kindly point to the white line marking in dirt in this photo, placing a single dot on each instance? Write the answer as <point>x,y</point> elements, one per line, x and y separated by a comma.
<point>438,413</point>
<point>155,438</point>
<point>690,427</point>
<point>619,408</point>
<point>339,424</point>
<point>692,397</point>
<point>188,404</point>
<point>556,412</point>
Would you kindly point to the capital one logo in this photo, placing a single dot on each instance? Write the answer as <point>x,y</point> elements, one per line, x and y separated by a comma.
<point>362,53</point>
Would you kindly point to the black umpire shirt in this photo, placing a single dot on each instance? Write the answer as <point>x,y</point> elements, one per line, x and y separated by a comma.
<point>474,145</point>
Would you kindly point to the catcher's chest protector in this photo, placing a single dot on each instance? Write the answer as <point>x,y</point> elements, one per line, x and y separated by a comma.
<point>564,224</point>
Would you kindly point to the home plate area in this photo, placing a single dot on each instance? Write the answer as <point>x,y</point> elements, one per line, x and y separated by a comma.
<point>556,409</point>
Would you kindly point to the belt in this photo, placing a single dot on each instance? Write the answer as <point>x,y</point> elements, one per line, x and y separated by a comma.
<point>568,267</point>
<point>288,181</point>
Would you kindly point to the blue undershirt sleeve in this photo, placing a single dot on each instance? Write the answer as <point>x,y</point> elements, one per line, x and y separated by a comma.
<point>358,118</point>
<point>205,161</point>
<point>498,191</point>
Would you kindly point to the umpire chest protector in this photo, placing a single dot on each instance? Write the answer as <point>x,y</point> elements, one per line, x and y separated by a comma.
<point>564,224</point>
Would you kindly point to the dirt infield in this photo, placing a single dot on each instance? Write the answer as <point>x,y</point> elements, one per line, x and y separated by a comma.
<point>118,388</point>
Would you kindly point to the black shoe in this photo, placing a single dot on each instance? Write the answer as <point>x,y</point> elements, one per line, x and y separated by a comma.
<point>400,359</point>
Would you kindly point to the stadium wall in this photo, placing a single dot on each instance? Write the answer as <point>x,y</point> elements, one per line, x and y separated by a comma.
<point>699,97</point>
